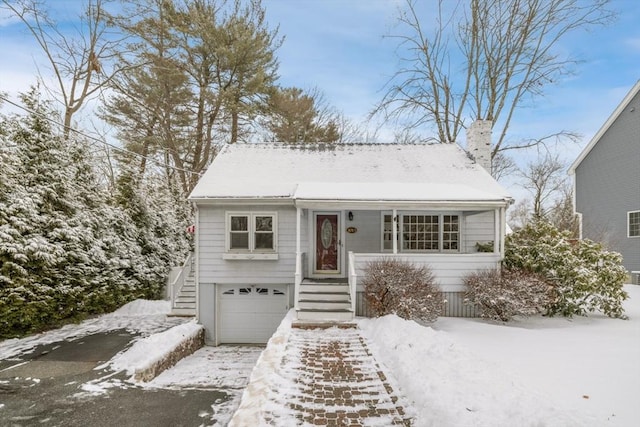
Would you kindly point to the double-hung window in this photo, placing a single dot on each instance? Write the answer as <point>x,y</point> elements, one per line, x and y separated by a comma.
<point>251,233</point>
<point>633,224</point>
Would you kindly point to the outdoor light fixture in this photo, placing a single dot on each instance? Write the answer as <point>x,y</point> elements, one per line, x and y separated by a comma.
<point>350,216</point>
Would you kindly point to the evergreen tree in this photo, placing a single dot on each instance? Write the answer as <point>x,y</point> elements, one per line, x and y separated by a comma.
<point>67,247</point>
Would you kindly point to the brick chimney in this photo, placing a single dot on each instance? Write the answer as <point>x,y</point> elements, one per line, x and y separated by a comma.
<point>479,142</point>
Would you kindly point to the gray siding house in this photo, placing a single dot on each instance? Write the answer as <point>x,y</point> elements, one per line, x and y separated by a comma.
<point>607,182</point>
<point>281,226</point>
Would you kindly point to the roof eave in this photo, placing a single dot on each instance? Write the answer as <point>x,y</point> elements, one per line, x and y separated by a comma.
<point>285,200</point>
<point>354,203</point>
<point>371,203</point>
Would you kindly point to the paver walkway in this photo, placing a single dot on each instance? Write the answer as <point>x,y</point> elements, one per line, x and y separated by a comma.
<point>330,378</point>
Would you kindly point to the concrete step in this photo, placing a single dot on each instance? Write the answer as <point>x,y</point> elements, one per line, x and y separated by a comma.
<point>319,324</point>
<point>325,296</point>
<point>323,305</point>
<point>186,312</point>
<point>325,316</point>
<point>181,301</point>
<point>325,287</point>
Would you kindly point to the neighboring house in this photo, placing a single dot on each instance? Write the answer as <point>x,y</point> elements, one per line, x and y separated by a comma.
<point>607,182</point>
<point>281,226</point>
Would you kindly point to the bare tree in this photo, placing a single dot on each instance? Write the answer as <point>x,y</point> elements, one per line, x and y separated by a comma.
<point>81,64</point>
<point>482,61</point>
<point>520,214</point>
<point>502,165</point>
<point>562,214</point>
<point>543,179</point>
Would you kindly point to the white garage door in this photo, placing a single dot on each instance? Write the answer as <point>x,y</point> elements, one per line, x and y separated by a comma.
<point>250,313</point>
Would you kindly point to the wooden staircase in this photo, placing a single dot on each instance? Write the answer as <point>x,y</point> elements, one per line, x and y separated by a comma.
<point>183,301</point>
<point>325,300</point>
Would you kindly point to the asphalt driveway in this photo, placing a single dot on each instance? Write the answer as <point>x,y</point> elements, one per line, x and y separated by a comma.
<point>62,377</point>
<point>44,387</point>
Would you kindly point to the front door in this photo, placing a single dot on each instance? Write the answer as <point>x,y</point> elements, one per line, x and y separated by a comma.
<point>327,242</point>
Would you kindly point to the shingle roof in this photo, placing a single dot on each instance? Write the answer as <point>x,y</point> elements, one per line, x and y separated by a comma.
<point>393,172</point>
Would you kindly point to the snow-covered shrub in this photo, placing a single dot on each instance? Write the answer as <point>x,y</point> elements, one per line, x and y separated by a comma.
<point>501,295</point>
<point>585,276</point>
<point>397,287</point>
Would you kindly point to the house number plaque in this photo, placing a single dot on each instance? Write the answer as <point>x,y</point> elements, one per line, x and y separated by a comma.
<point>352,230</point>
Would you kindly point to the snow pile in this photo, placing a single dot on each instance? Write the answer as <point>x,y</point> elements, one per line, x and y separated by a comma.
<point>451,386</point>
<point>142,307</point>
<point>587,363</point>
<point>152,349</point>
<point>264,376</point>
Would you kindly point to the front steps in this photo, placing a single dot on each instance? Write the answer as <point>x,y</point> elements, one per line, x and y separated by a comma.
<point>324,300</point>
<point>185,302</point>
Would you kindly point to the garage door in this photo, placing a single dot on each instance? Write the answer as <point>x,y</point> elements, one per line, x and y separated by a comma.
<point>250,314</point>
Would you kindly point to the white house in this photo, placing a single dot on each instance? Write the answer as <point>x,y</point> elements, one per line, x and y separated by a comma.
<point>281,226</point>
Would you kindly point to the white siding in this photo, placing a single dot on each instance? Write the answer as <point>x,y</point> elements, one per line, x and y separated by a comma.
<point>206,313</point>
<point>368,238</point>
<point>478,227</point>
<point>449,269</point>
<point>211,235</point>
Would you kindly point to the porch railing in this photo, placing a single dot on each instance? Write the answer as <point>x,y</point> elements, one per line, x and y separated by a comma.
<point>353,280</point>
<point>299,275</point>
<point>187,268</point>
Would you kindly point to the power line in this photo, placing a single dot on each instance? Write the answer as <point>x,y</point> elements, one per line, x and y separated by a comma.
<point>93,138</point>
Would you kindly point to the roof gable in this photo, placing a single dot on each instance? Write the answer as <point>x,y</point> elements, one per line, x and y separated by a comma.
<point>415,172</point>
<point>605,127</point>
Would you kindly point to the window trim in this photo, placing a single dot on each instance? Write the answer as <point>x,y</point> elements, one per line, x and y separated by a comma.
<point>251,252</point>
<point>383,214</point>
<point>629,224</point>
<point>400,235</point>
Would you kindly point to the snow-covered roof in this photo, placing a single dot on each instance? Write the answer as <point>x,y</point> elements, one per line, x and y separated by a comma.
<point>605,127</point>
<point>348,172</point>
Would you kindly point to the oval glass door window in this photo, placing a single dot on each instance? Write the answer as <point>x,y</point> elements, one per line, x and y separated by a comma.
<point>326,233</point>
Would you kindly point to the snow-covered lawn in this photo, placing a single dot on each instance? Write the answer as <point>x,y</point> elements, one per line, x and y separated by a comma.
<point>531,372</point>
<point>539,371</point>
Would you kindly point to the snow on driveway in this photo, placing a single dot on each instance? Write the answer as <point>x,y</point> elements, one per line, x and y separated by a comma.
<point>141,317</point>
<point>224,368</point>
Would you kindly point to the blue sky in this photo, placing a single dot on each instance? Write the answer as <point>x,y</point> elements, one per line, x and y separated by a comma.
<point>338,47</point>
